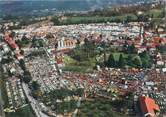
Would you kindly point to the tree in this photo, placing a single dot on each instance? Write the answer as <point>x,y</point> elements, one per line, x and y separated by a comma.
<point>122,61</point>
<point>103,49</point>
<point>22,64</point>
<point>56,21</point>
<point>131,49</point>
<point>40,43</point>
<point>111,61</point>
<point>129,60</point>
<point>146,60</point>
<point>13,34</point>
<point>161,48</point>
<point>137,62</point>
<point>35,85</point>
<point>128,19</point>
<point>79,92</point>
<point>84,52</point>
<point>36,92</point>
<point>22,52</point>
<point>125,47</point>
<point>24,40</point>
<point>27,77</point>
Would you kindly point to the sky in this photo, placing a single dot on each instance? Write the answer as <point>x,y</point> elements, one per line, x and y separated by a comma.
<point>56,0</point>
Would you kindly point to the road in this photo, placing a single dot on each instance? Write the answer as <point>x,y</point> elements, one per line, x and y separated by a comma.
<point>2,114</point>
<point>34,103</point>
<point>78,105</point>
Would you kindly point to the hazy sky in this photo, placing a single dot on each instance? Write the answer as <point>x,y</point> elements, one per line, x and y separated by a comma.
<point>53,0</point>
<point>50,0</point>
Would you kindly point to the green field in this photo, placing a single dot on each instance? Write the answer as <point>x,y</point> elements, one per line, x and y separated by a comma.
<point>75,66</point>
<point>97,19</point>
<point>127,17</point>
<point>117,55</point>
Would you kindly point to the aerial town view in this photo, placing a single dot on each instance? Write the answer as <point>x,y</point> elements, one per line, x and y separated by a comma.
<point>83,58</point>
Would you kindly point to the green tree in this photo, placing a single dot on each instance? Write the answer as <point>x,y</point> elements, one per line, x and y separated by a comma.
<point>137,62</point>
<point>41,43</point>
<point>22,64</point>
<point>35,85</point>
<point>36,92</point>
<point>56,21</point>
<point>24,39</point>
<point>22,52</point>
<point>146,60</point>
<point>13,34</point>
<point>27,77</point>
<point>122,61</point>
<point>128,19</point>
<point>111,61</point>
<point>85,51</point>
<point>79,92</point>
<point>129,60</point>
<point>131,49</point>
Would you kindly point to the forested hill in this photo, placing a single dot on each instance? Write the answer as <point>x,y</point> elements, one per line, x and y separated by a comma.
<point>30,7</point>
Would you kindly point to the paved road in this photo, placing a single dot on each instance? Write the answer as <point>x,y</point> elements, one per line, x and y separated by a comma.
<point>78,105</point>
<point>33,102</point>
<point>2,114</point>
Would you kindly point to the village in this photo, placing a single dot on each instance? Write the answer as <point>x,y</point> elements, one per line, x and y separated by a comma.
<point>133,73</point>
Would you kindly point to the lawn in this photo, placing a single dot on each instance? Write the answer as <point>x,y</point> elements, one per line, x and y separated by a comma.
<point>76,66</point>
<point>117,55</point>
<point>81,69</point>
<point>155,12</point>
<point>97,19</point>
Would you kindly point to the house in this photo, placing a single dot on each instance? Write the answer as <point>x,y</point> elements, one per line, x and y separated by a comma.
<point>19,56</point>
<point>11,42</point>
<point>66,44</point>
<point>148,106</point>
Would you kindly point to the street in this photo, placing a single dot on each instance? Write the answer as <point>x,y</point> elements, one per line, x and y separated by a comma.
<point>33,102</point>
<point>2,114</point>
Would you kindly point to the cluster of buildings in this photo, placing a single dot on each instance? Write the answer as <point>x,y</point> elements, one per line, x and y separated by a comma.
<point>15,94</point>
<point>66,37</point>
<point>16,98</point>
<point>121,82</point>
<point>148,85</point>
<point>12,44</point>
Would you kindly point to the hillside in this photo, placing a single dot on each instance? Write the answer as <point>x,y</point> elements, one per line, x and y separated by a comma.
<point>31,7</point>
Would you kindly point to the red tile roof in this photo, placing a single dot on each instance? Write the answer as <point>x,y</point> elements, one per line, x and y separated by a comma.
<point>148,106</point>
<point>11,42</point>
<point>59,60</point>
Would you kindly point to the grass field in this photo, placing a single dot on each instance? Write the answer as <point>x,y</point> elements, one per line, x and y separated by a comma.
<point>129,17</point>
<point>97,19</point>
<point>117,55</point>
<point>76,66</point>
